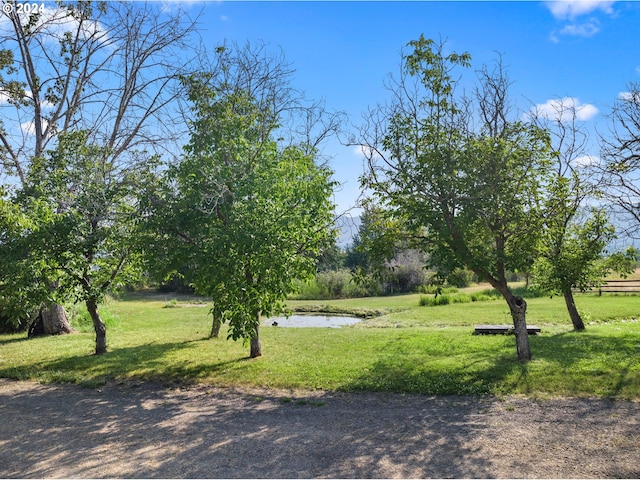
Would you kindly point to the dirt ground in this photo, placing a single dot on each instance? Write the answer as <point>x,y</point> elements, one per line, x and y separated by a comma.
<point>148,431</point>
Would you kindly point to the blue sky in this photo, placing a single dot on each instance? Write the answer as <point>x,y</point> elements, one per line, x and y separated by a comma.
<point>586,51</point>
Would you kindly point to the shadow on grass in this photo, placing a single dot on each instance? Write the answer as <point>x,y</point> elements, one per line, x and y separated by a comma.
<point>569,363</point>
<point>16,339</point>
<point>605,364</point>
<point>141,362</point>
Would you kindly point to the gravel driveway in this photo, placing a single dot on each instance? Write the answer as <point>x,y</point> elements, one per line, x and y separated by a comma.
<point>149,431</point>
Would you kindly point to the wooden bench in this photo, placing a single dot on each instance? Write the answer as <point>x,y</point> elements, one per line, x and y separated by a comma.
<point>502,330</point>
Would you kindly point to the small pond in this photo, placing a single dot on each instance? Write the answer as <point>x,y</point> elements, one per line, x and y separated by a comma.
<point>317,321</point>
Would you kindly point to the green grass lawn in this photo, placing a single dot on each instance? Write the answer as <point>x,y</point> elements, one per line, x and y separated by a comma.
<point>428,350</point>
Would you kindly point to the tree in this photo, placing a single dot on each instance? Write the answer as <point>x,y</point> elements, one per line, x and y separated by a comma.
<point>571,257</point>
<point>108,69</point>
<point>83,217</point>
<point>466,198</point>
<point>575,235</point>
<point>246,214</point>
<point>25,281</point>
<point>381,257</point>
<point>331,258</point>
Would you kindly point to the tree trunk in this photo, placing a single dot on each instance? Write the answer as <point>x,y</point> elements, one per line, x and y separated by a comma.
<point>576,319</point>
<point>215,327</point>
<point>518,308</point>
<point>54,320</point>
<point>98,326</point>
<point>255,347</point>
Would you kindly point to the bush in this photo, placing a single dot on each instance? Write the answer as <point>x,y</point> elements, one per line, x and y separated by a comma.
<point>9,324</point>
<point>406,272</point>
<point>460,278</point>
<point>14,316</point>
<point>332,284</point>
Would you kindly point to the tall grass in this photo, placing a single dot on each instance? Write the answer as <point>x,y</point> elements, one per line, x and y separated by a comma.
<point>449,298</point>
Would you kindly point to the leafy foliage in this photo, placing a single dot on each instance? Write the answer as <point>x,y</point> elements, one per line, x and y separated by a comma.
<point>71,233</point>
<point>250,216</point>
<point>469,198</point>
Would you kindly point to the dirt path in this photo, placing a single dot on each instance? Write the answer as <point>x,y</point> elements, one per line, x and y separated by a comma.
<point>149,431</point>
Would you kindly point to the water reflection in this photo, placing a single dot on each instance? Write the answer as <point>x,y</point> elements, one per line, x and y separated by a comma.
<point>317,321</point>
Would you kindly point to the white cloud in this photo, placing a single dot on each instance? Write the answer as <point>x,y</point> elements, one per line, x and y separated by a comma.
<point>586,161</point>
<point>564,110</point>
<point>4,99</point>
<point>588,29</point>
<point>633,97</point>
<point>572,9</point>
<point>29,128</point>
<point>173,6</point>
<point>359,150</point>
<point>55,22</point>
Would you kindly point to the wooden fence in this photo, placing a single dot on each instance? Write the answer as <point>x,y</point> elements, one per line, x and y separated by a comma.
<point>618,286</point>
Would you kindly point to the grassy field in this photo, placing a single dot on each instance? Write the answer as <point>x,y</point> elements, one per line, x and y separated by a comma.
<point>428,350</point>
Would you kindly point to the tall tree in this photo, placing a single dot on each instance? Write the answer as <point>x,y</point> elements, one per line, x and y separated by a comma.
<point>246,214</point>
<point>108,69</point>
<point>468,198</point>
<point>575,235</point>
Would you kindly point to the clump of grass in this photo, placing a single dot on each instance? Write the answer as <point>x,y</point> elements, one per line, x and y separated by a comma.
<point>447,299</point>
<point>444,299</point>
<point>173,303</point>
<point>81,320</point>
<point>481,296</point>
<point>432,289</point>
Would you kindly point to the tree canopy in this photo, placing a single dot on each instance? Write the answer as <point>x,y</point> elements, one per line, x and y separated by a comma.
<point>246,214</point>
<point>469,198</point>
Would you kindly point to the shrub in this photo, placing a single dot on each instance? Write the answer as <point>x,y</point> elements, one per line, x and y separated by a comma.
<point>460,278</point>
<point>333,284</point>
<point>406,272</point>
<point>445,299</point>
<point>15,315</point>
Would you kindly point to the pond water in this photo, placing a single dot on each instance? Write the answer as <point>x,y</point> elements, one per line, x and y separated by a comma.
<point>314,321</point>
